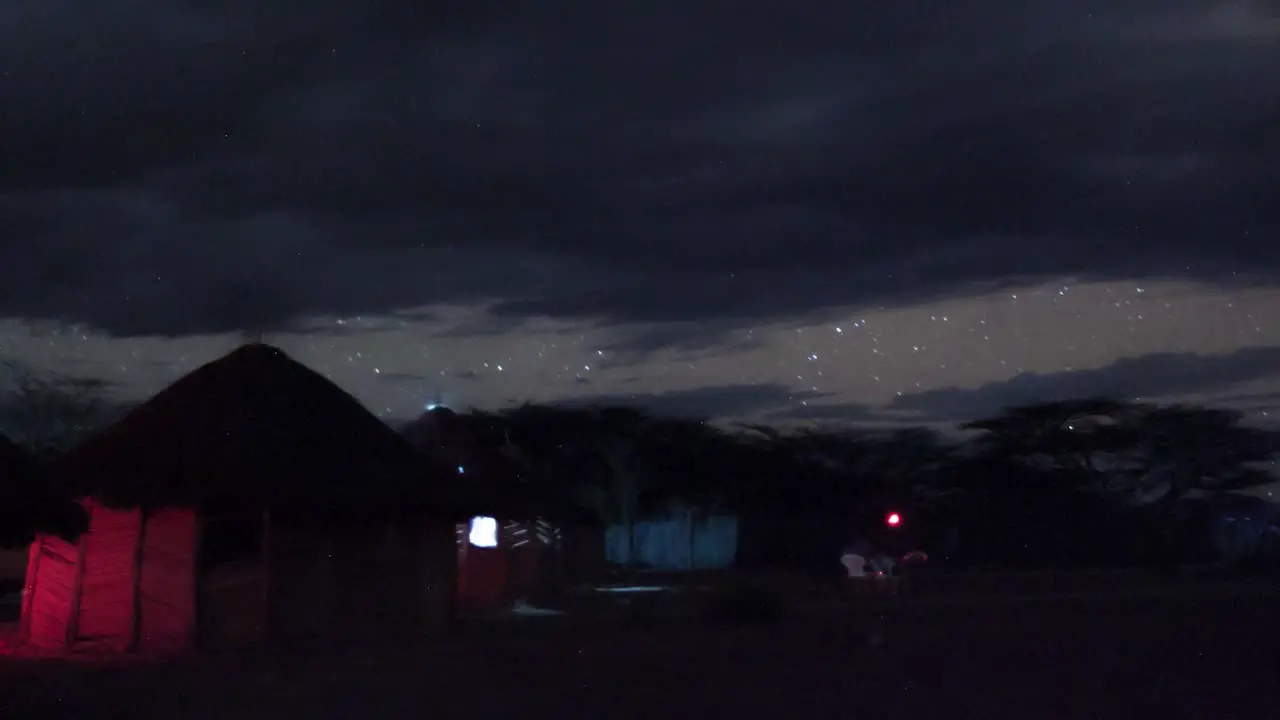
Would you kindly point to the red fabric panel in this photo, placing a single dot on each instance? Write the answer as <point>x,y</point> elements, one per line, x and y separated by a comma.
<point>526,570</point>
<point>168,581</point>
<point>51,576</point>
<point>106,597</point>
<point>482,579</point>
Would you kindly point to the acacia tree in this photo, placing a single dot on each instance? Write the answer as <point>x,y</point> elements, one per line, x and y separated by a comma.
<point>1183,450</point>
<point>1044,482</point>
<point>1208,450</point>
<point>1135,454</point>
<point>1071,443</point>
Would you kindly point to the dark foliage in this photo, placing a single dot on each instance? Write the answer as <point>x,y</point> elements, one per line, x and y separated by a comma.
<point>492,472</point>
<point>29,504</point>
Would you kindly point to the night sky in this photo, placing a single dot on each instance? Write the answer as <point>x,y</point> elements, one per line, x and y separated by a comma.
<point>877,212</point>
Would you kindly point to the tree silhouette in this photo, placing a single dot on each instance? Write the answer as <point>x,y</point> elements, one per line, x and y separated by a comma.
<point>1208,450</point>
<point>1052,482</point>
<point>1135,456</point>
<point>1071,443</point>
<point>28,504</point>
<point>1183,451</point>
<point>588,455</point>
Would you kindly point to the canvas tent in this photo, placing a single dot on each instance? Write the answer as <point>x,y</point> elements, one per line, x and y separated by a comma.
<point>251,499</point>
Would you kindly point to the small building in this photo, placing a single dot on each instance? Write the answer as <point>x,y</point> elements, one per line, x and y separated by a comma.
<point>528,543</point>
<point>684,538</point>
<point>251,500</point>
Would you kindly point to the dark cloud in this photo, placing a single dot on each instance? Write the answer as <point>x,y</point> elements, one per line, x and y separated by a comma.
<point>697,340</point>
<point>177,168</point>
<point>361,325</point>
<point>1253,400</point>
<point>842,413</point>
<point>400,377</point>
<point>715,401</point>
<point>1148,377</point>
<point>482,326</point>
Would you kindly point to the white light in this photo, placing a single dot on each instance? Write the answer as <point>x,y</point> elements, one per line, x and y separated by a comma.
<point>461,470</point>
<point>484,532</point>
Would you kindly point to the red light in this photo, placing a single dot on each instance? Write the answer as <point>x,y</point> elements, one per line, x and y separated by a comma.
<point>893,520</point>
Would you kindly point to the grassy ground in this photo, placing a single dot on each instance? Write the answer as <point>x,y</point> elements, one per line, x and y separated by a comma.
<point>1101,655</point>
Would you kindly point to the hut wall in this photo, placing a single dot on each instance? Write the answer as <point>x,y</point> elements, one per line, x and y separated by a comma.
<point>483,579</point>
<point>105,606</point>
<point>125,586</point>
<point>231,606</point>
<point>47,607</point>
<point>300,598</point>
<point>380,579</point>
<point>232,580</point>
<point>166,582</point>
<point>385,586</point>
<point>440,586</point>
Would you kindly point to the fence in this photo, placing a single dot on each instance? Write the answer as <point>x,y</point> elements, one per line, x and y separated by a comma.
<point>681,541</point>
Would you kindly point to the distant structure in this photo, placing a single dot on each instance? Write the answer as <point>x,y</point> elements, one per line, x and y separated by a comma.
<point>532,542</point>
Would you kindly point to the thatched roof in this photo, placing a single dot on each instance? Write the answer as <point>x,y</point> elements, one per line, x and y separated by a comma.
<point>28,504</point>
<point>256,427</point>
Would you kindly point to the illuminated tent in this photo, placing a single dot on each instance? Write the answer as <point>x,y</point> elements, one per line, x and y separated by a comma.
<point>251,499</point>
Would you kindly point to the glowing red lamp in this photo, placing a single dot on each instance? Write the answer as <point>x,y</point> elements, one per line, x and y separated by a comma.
<point>893,519</point>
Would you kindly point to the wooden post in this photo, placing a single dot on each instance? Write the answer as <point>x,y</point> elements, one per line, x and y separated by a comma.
<point>29,587</point>
<point>139,553</point>
<point>693,539</point>
<point>77,585</point>
<point>265,552</point>
<point>197,582</point>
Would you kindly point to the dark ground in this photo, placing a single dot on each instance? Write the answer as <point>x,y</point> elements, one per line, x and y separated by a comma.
<point>1206,654</point>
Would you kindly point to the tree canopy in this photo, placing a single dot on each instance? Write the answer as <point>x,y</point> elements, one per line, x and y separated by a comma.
<point>1052,478</point>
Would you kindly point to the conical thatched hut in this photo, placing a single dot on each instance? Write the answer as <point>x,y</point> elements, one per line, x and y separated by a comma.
<point>252,498</point>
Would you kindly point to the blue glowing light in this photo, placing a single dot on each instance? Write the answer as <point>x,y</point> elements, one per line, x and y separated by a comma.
<point>461,470</point>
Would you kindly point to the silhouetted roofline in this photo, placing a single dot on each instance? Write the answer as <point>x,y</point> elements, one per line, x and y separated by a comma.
<point>255,426</point>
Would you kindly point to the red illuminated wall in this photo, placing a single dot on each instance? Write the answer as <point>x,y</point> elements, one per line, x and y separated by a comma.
<point>124,586</point>
<point>482,574</point>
